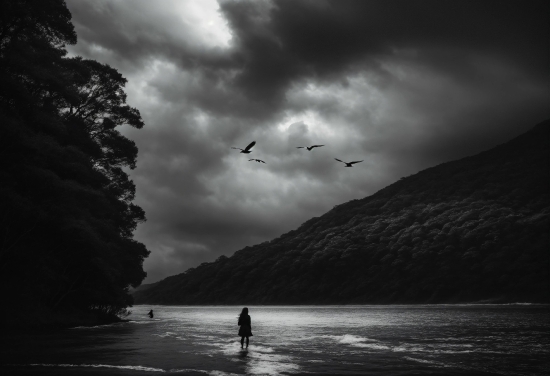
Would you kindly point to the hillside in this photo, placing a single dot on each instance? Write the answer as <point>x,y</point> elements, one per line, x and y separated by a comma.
<point>468,230</point>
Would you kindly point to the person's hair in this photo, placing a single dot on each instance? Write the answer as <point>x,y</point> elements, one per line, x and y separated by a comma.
<point>244,312</point>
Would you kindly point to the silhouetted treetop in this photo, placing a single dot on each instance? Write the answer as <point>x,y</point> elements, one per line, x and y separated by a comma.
<point>25,19</point>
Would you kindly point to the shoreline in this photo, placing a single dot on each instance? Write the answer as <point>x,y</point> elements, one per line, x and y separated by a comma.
<point>45,320</point>
<point>494,301</point>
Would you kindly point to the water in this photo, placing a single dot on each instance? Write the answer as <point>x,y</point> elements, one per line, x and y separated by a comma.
<point>293,340</point>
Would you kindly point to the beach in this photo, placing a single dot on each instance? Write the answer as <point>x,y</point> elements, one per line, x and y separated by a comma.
<point>482,339</point>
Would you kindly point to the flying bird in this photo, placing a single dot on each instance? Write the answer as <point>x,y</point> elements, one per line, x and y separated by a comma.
<point>256,160</point>
<point>348,164</point>
<point>309,147</point>
<point>247,149</point>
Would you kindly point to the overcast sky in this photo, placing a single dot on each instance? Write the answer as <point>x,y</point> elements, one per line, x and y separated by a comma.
<point>402,85</point>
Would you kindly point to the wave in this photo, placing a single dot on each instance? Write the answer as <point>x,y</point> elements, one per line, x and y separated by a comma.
<point>356,341</point>
<point>369,343</point>
<point>221,373</point>
<point>350,338</point>
<point>407,348</point>
<point>134,368</point>
<point>425,361</point>
<point>142,321</point>
<point>202,338</point>
<point>210,373</point>
<point>167,334</point>
<point>373,346</point>
<point>435,348</point>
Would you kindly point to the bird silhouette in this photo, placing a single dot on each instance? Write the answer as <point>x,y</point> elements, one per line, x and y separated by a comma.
<point>348,164</point>
<point>247,149</point>
<point>309,147</point>
<point>256,160</point>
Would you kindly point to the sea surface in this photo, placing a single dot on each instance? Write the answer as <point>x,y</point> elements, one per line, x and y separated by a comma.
<point>296,340</point>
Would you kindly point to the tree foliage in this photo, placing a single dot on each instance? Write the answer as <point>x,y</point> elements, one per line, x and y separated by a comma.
<point>66,211</point>
<point>469,230</point>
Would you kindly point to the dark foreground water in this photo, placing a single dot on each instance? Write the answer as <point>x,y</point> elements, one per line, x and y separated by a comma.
<point>315,340</point>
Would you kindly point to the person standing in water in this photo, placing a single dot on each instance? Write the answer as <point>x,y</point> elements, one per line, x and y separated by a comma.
<point>150,313</point>
<point>245,329</point>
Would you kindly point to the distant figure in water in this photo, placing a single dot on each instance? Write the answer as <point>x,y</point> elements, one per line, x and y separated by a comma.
<point>245,329</point>
<point>150,313</point>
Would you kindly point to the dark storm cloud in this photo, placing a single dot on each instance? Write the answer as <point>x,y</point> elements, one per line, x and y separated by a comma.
<point>321,39</point>
<point>403,85</point>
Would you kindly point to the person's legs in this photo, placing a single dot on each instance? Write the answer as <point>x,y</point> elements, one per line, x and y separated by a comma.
<point>242,342</point>
<point>247,342</point>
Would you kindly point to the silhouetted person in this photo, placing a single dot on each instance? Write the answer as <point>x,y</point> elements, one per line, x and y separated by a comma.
<point>245,329</point>
<point>150,314</point>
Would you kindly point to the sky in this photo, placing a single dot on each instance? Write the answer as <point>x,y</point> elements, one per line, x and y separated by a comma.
<point>400,85</point>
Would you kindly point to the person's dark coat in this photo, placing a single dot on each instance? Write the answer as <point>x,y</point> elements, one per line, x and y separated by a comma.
<point>245,324</point>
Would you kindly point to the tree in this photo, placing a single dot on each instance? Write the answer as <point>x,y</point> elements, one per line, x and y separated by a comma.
<point>67,216</point>
<point>98,109</point>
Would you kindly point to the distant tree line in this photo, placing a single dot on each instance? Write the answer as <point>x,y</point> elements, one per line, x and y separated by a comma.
<point>470,230</point>
<point>66,211</point>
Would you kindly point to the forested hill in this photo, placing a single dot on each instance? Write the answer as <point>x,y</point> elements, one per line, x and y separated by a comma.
<point>474,229</point>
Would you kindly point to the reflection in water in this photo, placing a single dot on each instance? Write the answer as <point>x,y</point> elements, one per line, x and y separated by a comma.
<point>384,340</point>
<point>243,354</point>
